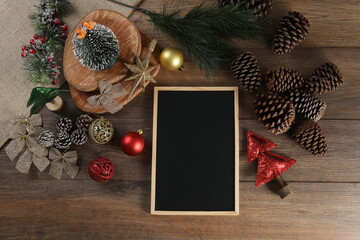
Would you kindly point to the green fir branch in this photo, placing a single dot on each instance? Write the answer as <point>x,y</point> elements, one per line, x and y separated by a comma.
<point>203,32</point>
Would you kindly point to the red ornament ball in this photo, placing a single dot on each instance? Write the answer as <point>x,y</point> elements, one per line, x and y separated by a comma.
<point>32,51</point>
<point>101,169</point>
<point>36,36</point>
<point>133,143</point>
<point>56,21</point>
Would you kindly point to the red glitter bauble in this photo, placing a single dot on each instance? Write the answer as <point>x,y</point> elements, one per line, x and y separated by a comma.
<point>101,169</point>
<point>133,143</point>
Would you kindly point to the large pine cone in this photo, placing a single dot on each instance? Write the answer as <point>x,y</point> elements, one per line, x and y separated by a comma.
<point>262,7</point>
<point>246,70</point>
<point>310,137</point>
<point>281,79</point>
<point>324,79</point>
<point>276,113</point>
<point>84,121</point>
<point>64,124</point>
<point>46,138</point>
<point>62,140</point>
<point>79,137</point>
<point>307,105</point>
<point>293,29</point>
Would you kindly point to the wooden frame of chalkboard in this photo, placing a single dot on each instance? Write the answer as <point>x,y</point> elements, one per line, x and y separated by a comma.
<point>174,190</point>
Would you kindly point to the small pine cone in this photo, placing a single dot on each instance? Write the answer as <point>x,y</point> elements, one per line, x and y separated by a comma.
<point>246,70</point>
<point>310,137</point>
<point>262,7</point>
<point>281,79</point>
<point>307,105</point>
<point>62,140</point>
<point>64,124</point>
<point>79,137</point>
<point>46,138</point>
<point>293,29</point>
<point>276,113</point>
<point>324,79</point>
<point>84,121</point>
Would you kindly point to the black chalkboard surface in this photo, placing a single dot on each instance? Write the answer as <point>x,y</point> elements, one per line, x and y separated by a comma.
<point>195,151</point>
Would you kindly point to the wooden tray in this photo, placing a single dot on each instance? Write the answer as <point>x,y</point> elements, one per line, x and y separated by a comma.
<point>80,98</point>
<point>85,79</point>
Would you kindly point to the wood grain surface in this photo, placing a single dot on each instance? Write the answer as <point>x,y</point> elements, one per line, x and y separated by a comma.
<point>85,79</point>
<point>326,205</point>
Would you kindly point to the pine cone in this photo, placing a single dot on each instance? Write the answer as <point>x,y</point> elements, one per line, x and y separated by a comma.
<point>79,137</point>
<point>324,79</point>
<point>307,105</point>
<point>281,79</point>
<point>262,7</point>
<point>309,135</point>
<point>46,138</point>
<point>64,124</point>
<point>246,70</point>
<point>292,30</point>
<point>84,121</point>
<point>276,113</point>
<point>62,140</point>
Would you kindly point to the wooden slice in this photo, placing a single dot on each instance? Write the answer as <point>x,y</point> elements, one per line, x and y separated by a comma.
<point>80,98</point>
<point>85,79</point>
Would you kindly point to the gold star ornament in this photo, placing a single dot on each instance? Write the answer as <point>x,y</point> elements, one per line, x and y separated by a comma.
<point>141,71</point>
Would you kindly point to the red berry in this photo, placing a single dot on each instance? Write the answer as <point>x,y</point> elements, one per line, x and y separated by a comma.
<point>63,35</point>
<point>43,39</point>
<point>64,27</point>
<point>32,42</point>
<point>54,74</point>
<point>56,21</point>
<point>53,82</point>
<point>36,36</point>
<point>54,66</point>
<point>32,51</point>
<point>24,54</point>
<point>24,48</point>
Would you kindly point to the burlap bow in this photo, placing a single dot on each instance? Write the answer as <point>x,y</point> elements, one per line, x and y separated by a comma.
<point>108,93</point>
<point>24,137</point>
<point>63,161</point>
<point>7,127</point>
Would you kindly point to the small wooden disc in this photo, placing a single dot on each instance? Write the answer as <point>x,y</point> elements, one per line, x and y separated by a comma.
<point>56,104</point>
<point>83,78</point>
<point>286,191</point>
<point>80,98</point>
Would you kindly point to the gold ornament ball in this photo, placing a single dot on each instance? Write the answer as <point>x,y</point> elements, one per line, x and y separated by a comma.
<point>101,131</point>
<point>171,58</point>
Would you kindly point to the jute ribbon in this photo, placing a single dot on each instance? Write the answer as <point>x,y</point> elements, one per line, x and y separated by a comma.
<point>63,161</point>
<point>25,137</point>
<point>108,93</point>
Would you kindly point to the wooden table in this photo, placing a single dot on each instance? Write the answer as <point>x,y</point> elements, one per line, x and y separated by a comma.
<point>325,206</point>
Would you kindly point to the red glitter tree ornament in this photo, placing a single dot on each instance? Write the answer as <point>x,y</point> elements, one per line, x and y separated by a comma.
<point>101,169</point>
<point>270,165</point>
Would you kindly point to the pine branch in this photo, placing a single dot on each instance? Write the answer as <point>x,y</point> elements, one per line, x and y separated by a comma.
<point>203,31</point>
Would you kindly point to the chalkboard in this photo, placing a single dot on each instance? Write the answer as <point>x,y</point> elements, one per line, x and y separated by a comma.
<point>195,165</point>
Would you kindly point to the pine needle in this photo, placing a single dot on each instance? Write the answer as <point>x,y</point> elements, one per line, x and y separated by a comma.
<point>203,31</point>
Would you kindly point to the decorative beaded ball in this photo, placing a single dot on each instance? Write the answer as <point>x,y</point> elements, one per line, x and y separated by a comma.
<point>101,131</point>
<point>101,169</point>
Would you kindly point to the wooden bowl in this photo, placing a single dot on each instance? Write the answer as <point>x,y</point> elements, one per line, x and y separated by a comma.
<point>85,79</point>
<point>80,98</point>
